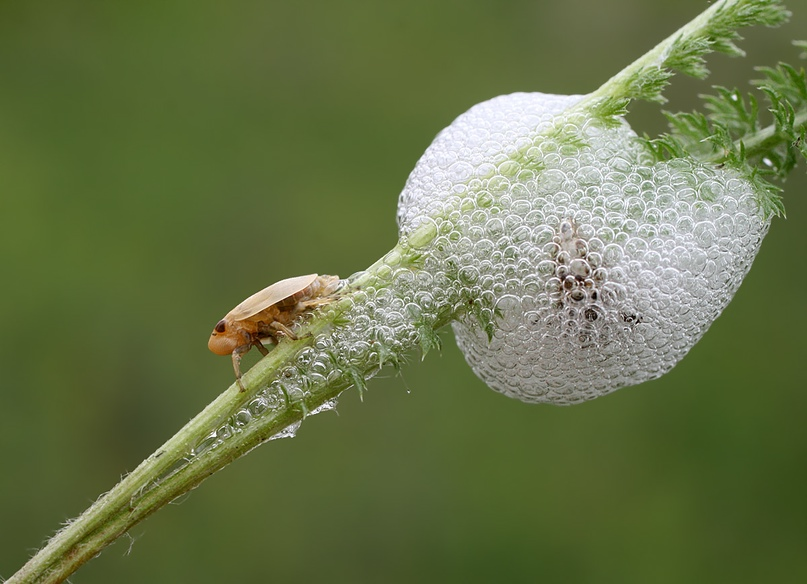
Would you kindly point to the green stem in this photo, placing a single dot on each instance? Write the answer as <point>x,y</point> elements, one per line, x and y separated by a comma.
<point>175,468</point>
<point>89,533</point>
<point>765,139</point>
<point>683,51</point>
<point>645,77</point>
<point>628,83</point>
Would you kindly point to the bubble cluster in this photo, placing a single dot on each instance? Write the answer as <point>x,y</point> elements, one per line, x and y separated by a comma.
<point>596,266</point>
<point>570,262</point>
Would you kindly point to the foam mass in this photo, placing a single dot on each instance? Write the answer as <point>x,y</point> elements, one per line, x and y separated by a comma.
<point>576,262</point>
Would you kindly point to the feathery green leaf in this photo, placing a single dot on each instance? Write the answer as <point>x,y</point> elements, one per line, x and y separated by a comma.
<point>731,131</point>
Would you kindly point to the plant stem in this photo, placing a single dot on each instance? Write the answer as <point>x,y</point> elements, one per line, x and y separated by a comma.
<point>180,465</point>
<point>122,507</point>
<point>622,84</point>
<point>764,139</point>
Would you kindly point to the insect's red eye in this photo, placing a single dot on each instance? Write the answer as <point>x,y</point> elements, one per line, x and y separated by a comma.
<point>220,327</point>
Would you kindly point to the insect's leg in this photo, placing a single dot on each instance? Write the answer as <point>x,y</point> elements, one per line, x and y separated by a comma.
<point>264,351</point>
<point>306,304</point>
<point>284,329</point>
<point>237,369</point>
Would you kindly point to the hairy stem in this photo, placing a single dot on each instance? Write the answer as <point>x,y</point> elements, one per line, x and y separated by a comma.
<point>198,450</point>
<point>764,139</point>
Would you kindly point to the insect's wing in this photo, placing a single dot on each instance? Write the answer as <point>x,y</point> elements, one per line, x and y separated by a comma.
<point>271,295</point>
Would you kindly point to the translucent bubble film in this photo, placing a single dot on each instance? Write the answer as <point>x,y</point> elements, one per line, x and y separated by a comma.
<point>576,269</point>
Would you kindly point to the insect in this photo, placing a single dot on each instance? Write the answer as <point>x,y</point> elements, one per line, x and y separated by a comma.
<point>269,314</point>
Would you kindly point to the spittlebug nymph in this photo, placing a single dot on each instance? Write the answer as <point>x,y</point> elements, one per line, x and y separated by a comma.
<point>268,314</point>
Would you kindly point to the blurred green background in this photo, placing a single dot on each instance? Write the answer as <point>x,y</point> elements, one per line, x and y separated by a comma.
<point>161,160</point>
